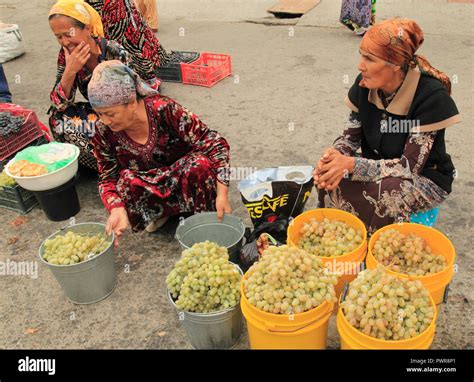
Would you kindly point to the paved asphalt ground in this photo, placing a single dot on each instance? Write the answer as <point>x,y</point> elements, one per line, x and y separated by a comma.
<point>282,106</point>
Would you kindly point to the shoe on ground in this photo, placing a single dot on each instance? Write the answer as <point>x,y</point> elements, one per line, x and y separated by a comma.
<point>156,225</point>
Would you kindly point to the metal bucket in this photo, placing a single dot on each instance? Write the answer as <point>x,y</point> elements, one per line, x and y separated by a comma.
<point>204,226</point>
<point>217,330</point>
<point>89,281</point>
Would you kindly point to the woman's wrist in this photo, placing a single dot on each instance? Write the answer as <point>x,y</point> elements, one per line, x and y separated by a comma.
<point>69,73</point>
<point>222,190</point>
<point>350,164</point>
<point>117,210</point>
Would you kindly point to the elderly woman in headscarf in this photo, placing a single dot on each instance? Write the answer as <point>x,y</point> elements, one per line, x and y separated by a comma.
<point>78,29</point>
<point>156,159</point>
<point>399,107</point>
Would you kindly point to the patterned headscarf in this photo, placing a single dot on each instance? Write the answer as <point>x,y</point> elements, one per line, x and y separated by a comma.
<point>396,41</point>
<point>80,11</point>
<point>114,83</point>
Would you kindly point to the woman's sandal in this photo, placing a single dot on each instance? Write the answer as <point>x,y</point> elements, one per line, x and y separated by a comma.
<point>156,225</point>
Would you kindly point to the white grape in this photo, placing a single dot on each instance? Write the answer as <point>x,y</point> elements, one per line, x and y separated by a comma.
<point>288,280</point>
<point>72,248</point>
<point>329,238</point>
<point>379,313</point>
<point>408,254</point>
<point>203,280</point>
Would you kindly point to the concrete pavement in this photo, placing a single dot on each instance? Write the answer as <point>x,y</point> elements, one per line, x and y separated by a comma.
<point>282,106</point>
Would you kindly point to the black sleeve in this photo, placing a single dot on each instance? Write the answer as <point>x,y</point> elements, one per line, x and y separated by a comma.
<point>437,111</point>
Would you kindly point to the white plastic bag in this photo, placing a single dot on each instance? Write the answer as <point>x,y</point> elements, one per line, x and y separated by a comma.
<point>277,192</point>
<point>11,42</point>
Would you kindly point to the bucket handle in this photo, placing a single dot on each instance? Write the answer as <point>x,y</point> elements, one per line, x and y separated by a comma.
<point>445,296</point>
<point>72,221</point>
<point>363,267</point>
<point>272,328</point>
<point>181,222</point>
<point>344,292</point>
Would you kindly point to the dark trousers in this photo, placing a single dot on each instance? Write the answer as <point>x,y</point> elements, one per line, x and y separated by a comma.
<point>5,95</point>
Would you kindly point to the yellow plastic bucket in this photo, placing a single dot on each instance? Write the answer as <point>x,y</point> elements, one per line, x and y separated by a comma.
<point>347,265</point>
<point>435,283</point>
<point>351,338</point>
<point>307,330</point>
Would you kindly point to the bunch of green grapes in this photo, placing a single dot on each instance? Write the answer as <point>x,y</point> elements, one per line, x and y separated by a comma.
<point>204,280</point>
<point>6,181</point>
<point>408,254</point>
<point>329,238</point>
<point>288,280</point>
<point>387,307</point>
<point>72,248</point>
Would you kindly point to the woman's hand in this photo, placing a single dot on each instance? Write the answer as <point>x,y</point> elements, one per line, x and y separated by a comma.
<point>331,168</point>
<point>222,207</point>
<point>325,158</point>
<point>222,201</point>
<point>117,223</point>
<point>76,60</point>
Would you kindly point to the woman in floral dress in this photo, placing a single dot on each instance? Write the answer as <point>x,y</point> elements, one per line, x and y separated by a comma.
<point>358,15</point>
<point>156,159</point>
<point>124,23</point>
<point>399,107</point>
<point>79,31</point>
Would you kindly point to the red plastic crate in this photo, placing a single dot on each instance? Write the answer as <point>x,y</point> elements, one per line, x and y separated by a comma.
<point>207,70</point>
<point>30,131</point>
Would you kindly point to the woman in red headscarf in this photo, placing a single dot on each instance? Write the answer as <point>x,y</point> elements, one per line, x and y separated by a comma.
<point>399,107</point>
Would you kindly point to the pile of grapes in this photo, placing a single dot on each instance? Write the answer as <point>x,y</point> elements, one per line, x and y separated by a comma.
<point>408,254</point>
<point>6,181</point>
<point>288,280</point>
<point>204,280</point>
<point>329,238</point>
<point>10,124</point>
<point>386,307</point>
<point>72,248</point>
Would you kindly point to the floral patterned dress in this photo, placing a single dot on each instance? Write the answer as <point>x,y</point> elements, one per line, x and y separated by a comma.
<point>74,122</point>
<point>397,173</point>
<point>123,23</point>
<point>175,171</point>
<point>358,15</point>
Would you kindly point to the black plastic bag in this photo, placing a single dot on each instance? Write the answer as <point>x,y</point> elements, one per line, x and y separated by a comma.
<point>266,234</point>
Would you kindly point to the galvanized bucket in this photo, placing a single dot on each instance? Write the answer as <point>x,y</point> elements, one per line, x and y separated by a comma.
<point>204,226</point>
<point>89,281</point>
<point>217,330</point>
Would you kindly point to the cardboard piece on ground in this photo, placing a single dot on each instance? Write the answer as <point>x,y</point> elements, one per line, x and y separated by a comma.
<point>293,7</point>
